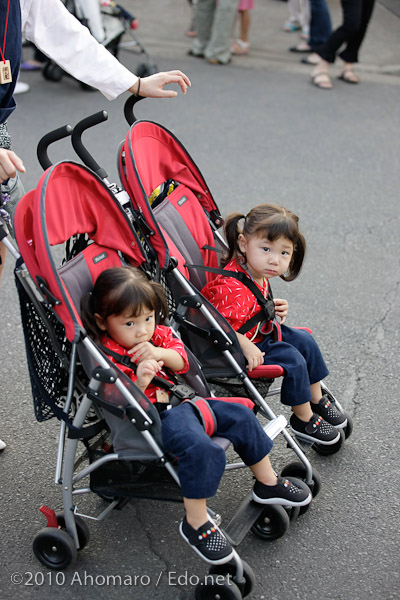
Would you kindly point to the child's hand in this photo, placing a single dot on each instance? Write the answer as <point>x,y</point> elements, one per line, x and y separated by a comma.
<point>281,309</point>
<point>146,370</point>
<point>144,351</point>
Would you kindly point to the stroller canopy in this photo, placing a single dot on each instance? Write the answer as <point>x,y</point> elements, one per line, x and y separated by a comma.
<point>150,156</point>
<point>69,200</point>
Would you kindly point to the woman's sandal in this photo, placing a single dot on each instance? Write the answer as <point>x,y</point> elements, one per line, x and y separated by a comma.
<point>348,76</point>
<point>322,80</point>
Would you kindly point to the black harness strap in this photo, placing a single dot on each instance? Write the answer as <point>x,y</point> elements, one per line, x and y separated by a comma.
<point>267,312</point>
<point>178,391</point>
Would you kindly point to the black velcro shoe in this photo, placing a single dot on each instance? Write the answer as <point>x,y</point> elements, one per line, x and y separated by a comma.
<point>208,541</point>
<point>285,493</point>
<point>328,411</point>
<point>315,430</point>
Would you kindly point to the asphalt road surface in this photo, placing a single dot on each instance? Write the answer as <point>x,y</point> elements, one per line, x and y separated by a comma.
<point>258,133</point>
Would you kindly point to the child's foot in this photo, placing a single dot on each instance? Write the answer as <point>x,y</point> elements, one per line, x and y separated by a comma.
<point>315,430</point>
<point>327,410</point>
<point>285,492</point>
<point>2,445</point>
<point>208,541</point>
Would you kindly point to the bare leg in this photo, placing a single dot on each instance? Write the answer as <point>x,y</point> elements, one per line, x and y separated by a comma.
<point>196,511</point>
<point>316,392</point>
<point>303,411</point>
<point>264,472</point>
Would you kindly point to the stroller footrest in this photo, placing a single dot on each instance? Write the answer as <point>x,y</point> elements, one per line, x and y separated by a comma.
<point>275,426</point>
<point>244,518</point>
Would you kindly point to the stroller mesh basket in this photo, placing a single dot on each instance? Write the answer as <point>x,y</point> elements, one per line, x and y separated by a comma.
<point>46,350</point>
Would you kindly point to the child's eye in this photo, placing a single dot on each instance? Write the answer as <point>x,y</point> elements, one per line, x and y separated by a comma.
<point>129,324</point>
<point>266,249</point>
<point>149,318</point>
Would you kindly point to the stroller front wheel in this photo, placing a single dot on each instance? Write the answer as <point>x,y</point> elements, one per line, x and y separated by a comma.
<point>272,524</point>
<point>213,588</point>
<point>54,548</point>
<point>230,569</point>
<point>81,528</point>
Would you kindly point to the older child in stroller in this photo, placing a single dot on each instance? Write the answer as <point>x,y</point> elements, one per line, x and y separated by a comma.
<point>124,315</point>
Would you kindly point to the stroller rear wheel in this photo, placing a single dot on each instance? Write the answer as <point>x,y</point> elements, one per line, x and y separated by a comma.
<point>230,569</point>
<point>272,524</point>
<point>217,588</point>
<point>81,528</point>
<point>54,548</point>
<point>52,72</point>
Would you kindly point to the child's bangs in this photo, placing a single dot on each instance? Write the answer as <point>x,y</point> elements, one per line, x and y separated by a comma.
<point>132,299</point>
<point>274,228</point>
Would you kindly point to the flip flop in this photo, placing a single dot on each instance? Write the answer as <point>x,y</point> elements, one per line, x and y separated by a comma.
<point>27,66</point>
<point>319,83</point>
<point>306,61</point>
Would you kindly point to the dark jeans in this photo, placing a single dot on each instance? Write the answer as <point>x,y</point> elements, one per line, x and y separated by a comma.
<point>320,25</point>
<point>201,462</point>
<point>356,16</point>
<point>299,355</point>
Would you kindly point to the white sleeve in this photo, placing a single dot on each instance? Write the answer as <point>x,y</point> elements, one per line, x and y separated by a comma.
<point>57,33</point>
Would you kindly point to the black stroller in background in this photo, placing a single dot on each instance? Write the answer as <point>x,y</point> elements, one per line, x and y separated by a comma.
<point>109,23</point>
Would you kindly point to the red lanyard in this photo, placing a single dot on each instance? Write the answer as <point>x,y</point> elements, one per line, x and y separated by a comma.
<point>5,34</point>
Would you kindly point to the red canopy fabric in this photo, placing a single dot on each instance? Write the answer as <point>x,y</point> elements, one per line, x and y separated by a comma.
<point>69,200</point>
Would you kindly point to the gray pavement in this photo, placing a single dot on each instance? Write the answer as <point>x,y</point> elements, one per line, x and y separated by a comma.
<point>259,132</point>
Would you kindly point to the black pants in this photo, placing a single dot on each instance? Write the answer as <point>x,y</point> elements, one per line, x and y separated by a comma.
<point>356,16</point>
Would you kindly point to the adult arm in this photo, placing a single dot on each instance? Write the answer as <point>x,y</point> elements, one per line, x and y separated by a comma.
<point>57,33</point>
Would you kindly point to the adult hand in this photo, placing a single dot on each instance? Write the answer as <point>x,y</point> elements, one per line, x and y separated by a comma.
<point>153,85</point>
<point>10,163</point>
<point>281,309</point>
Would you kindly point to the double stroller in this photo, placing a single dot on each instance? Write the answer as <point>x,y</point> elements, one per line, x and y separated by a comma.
<point>69,229</point>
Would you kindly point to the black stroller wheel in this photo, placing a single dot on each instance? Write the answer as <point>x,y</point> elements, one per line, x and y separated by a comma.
<point>217,588</point>
<point>146,69</point>
<point>230,569</point>
<point>52,72</point>
<point>272,524</point>
<point>326,450</point>
<point>81,528</point>
<point>348,430</point>
<point>54,548</point>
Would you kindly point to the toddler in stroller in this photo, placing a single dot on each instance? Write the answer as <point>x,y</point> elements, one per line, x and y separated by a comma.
<point>269,244</point>
<point>124,315</point>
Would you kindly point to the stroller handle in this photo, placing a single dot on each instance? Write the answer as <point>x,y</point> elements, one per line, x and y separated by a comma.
<point>128,108</point>
<point>78,146</point>
<point>46,140</point>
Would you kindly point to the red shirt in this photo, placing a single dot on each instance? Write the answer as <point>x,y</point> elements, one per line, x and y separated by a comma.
<point>163,337</point>
<point>235,301</point>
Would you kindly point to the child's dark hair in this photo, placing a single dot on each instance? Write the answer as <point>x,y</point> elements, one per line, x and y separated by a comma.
<point>121,290</point>
<point>270,221</point>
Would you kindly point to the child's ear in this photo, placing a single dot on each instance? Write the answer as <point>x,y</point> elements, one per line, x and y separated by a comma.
<point>242,243</point>
<point>100,322</point>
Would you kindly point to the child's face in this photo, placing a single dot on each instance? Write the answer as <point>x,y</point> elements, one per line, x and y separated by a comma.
<point>266,259</point>
<point>127,330</point>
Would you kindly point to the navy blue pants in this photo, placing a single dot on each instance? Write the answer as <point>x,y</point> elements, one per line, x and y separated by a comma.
<point>201,462</point>
<point>299,355</point>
